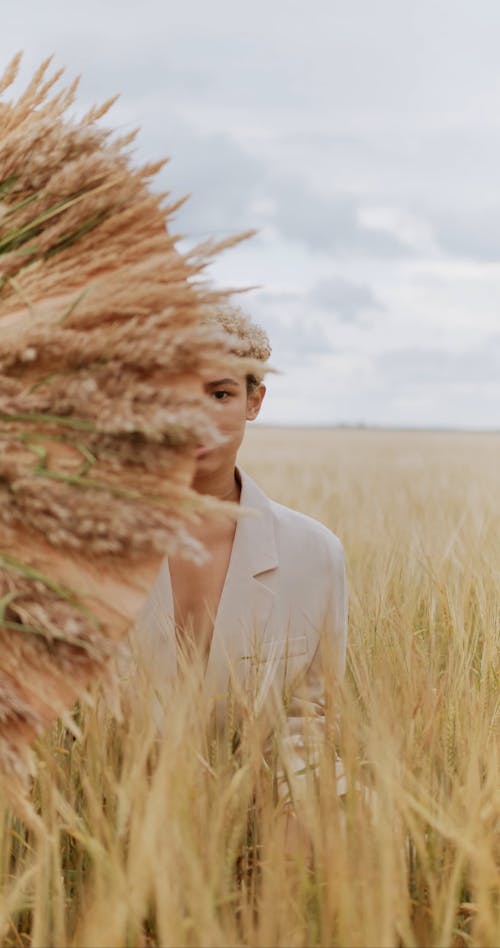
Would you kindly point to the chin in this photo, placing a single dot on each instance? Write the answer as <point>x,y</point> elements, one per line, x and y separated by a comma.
<point>211,460</point>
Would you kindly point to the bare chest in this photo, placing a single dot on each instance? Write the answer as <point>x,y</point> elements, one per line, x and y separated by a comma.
<point>197,591</point>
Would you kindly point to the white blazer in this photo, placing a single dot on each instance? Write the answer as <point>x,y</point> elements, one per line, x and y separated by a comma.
<point>281,622</point>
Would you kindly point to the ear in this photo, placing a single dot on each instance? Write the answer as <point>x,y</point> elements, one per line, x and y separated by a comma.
<point>254,401</point>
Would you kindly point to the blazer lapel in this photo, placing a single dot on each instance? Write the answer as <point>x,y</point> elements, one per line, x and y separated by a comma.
<point>246,602</point>
<point>153,642</point>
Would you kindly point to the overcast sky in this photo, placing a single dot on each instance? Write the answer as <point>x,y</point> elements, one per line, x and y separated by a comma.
<point>361,138</point>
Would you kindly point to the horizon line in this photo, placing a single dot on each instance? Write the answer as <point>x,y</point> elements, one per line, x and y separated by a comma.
<point>361,426</point>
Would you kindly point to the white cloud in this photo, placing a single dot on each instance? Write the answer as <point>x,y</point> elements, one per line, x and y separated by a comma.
<point>362,140</point>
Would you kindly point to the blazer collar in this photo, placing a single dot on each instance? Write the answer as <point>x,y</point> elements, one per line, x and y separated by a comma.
<point>246,602</point>
<point>255,541</point>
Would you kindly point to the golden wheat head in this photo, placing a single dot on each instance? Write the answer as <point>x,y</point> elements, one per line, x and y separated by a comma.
<point>101,340</point>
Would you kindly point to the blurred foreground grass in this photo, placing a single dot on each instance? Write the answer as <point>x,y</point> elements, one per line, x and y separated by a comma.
<point>129,843</point>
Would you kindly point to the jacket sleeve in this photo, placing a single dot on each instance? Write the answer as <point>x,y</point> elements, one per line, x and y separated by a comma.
<point>306,715</point>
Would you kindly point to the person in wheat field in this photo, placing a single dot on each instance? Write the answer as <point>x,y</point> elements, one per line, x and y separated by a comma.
<point>266,612</point>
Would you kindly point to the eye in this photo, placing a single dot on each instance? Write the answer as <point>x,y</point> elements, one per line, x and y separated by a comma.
<point>220,395</point>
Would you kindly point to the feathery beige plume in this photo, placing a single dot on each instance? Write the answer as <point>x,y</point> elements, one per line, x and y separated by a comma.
<point>101,342</point>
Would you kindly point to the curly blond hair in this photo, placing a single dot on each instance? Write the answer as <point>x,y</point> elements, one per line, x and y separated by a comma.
<point>248,340</point>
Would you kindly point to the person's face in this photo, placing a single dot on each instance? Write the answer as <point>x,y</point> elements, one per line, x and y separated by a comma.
<point>186,385</point>
<point>232,405</point>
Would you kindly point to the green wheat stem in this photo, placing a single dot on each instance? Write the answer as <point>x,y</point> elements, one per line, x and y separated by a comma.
<point>22,234</point>
<point>79,424</point>
<point>50,634</point>
<point>12,564</point>
<point>7,185</point>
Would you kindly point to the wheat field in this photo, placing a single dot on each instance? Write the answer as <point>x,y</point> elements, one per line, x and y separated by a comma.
<point>125,842</point>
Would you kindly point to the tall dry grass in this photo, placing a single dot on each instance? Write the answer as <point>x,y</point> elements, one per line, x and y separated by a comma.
<point>132,842</point>
<point>103,333</point>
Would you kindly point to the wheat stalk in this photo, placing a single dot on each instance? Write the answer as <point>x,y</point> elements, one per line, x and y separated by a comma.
<point>102,340</point>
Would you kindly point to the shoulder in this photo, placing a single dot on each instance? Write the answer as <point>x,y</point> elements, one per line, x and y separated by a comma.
<point>298,537</point>
<point>297,530</point>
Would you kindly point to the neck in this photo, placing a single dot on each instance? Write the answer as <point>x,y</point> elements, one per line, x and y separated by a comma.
<point>224,485</point>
